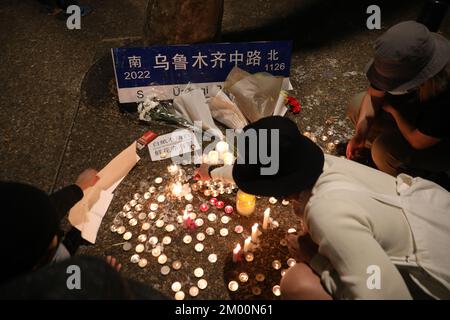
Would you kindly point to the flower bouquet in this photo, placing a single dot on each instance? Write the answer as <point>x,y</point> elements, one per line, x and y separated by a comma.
<point>152,109</point>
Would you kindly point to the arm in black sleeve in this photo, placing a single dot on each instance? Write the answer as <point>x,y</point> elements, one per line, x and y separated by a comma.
<point>66,198</point>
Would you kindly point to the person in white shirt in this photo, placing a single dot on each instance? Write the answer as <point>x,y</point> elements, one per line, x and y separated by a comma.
<point>353,245</point>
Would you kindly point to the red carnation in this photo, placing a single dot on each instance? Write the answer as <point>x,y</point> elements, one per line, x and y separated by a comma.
<point>293,105</point>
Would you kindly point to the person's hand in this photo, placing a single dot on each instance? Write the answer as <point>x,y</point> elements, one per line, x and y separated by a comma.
<point>389,108</point>
<point>201,173</point>
<point>301,248</point>
<point>355,144</point>
<point>113,263</point>
<point>87,179</point>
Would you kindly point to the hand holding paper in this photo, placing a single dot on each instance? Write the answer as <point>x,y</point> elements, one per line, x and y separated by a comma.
<point>87,214</point>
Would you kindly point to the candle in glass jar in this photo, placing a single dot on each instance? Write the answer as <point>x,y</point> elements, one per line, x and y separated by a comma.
<point>248,244</point>
<point>213,157</point>
<point>228,158</point>
<point>237,253</point>
<point>255,232</point>
<point>245,203</point>
<point>266,218</point>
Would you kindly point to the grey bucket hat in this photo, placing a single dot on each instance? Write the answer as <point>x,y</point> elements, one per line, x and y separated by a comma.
<point>406,56</point>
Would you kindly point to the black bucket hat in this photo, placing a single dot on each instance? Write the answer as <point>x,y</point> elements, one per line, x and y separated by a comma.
<point>31,222</point>
<point>300,160</point>
<point>406,56</point>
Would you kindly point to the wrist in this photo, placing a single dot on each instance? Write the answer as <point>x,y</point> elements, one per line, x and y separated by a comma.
<point>359,136</point>
<point>376,92</point>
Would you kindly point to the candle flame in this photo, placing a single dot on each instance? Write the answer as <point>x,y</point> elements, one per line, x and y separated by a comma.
<point>177,189</point>
<point>237,248</point>
<point>172,169</point>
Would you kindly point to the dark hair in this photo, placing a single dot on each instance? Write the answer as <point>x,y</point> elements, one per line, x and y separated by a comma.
<point>32,224</point>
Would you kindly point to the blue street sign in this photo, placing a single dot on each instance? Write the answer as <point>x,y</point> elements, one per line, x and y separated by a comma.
<point>166,70</point>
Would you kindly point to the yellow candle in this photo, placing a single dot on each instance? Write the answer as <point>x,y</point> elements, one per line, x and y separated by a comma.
<point>248,244</point>
<point>255,232</point>
<point>266,218</point>
<point>245,203</point>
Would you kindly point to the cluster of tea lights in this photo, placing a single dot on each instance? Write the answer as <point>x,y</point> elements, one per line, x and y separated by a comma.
<point>177,186</point>
<point>249,244</point>
<point>221,155</point>
<point>213,188</point>
<point>146,209</point>
<point>325,139</point>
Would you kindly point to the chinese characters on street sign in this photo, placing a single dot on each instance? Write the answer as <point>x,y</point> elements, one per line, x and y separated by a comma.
<point>166,70</point>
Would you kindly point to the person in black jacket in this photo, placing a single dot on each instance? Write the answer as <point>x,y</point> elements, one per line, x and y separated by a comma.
<point>31,237</point>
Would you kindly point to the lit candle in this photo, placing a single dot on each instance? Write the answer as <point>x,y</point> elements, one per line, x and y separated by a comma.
<point>173,169</point>
<point>255,232</point>
<point>220,204</point>
<point>177,189</point>
<point>189,197</point>
<point>228,209</point>
<point>245,203</point>
<point>213,157</point>
<point>248,244</point>
<point>188,223</point>
<point>237,253</point>
<point>266,218</point>
<point>228,158</point>
<point>221,148</point>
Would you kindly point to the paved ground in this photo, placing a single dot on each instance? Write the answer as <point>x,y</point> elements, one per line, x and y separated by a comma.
<point>58,108</point>
<point>43,66</point>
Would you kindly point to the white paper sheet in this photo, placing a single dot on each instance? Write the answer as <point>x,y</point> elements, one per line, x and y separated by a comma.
<point>88,213</point>
<point>90,228</point>
<point>173,144</point>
